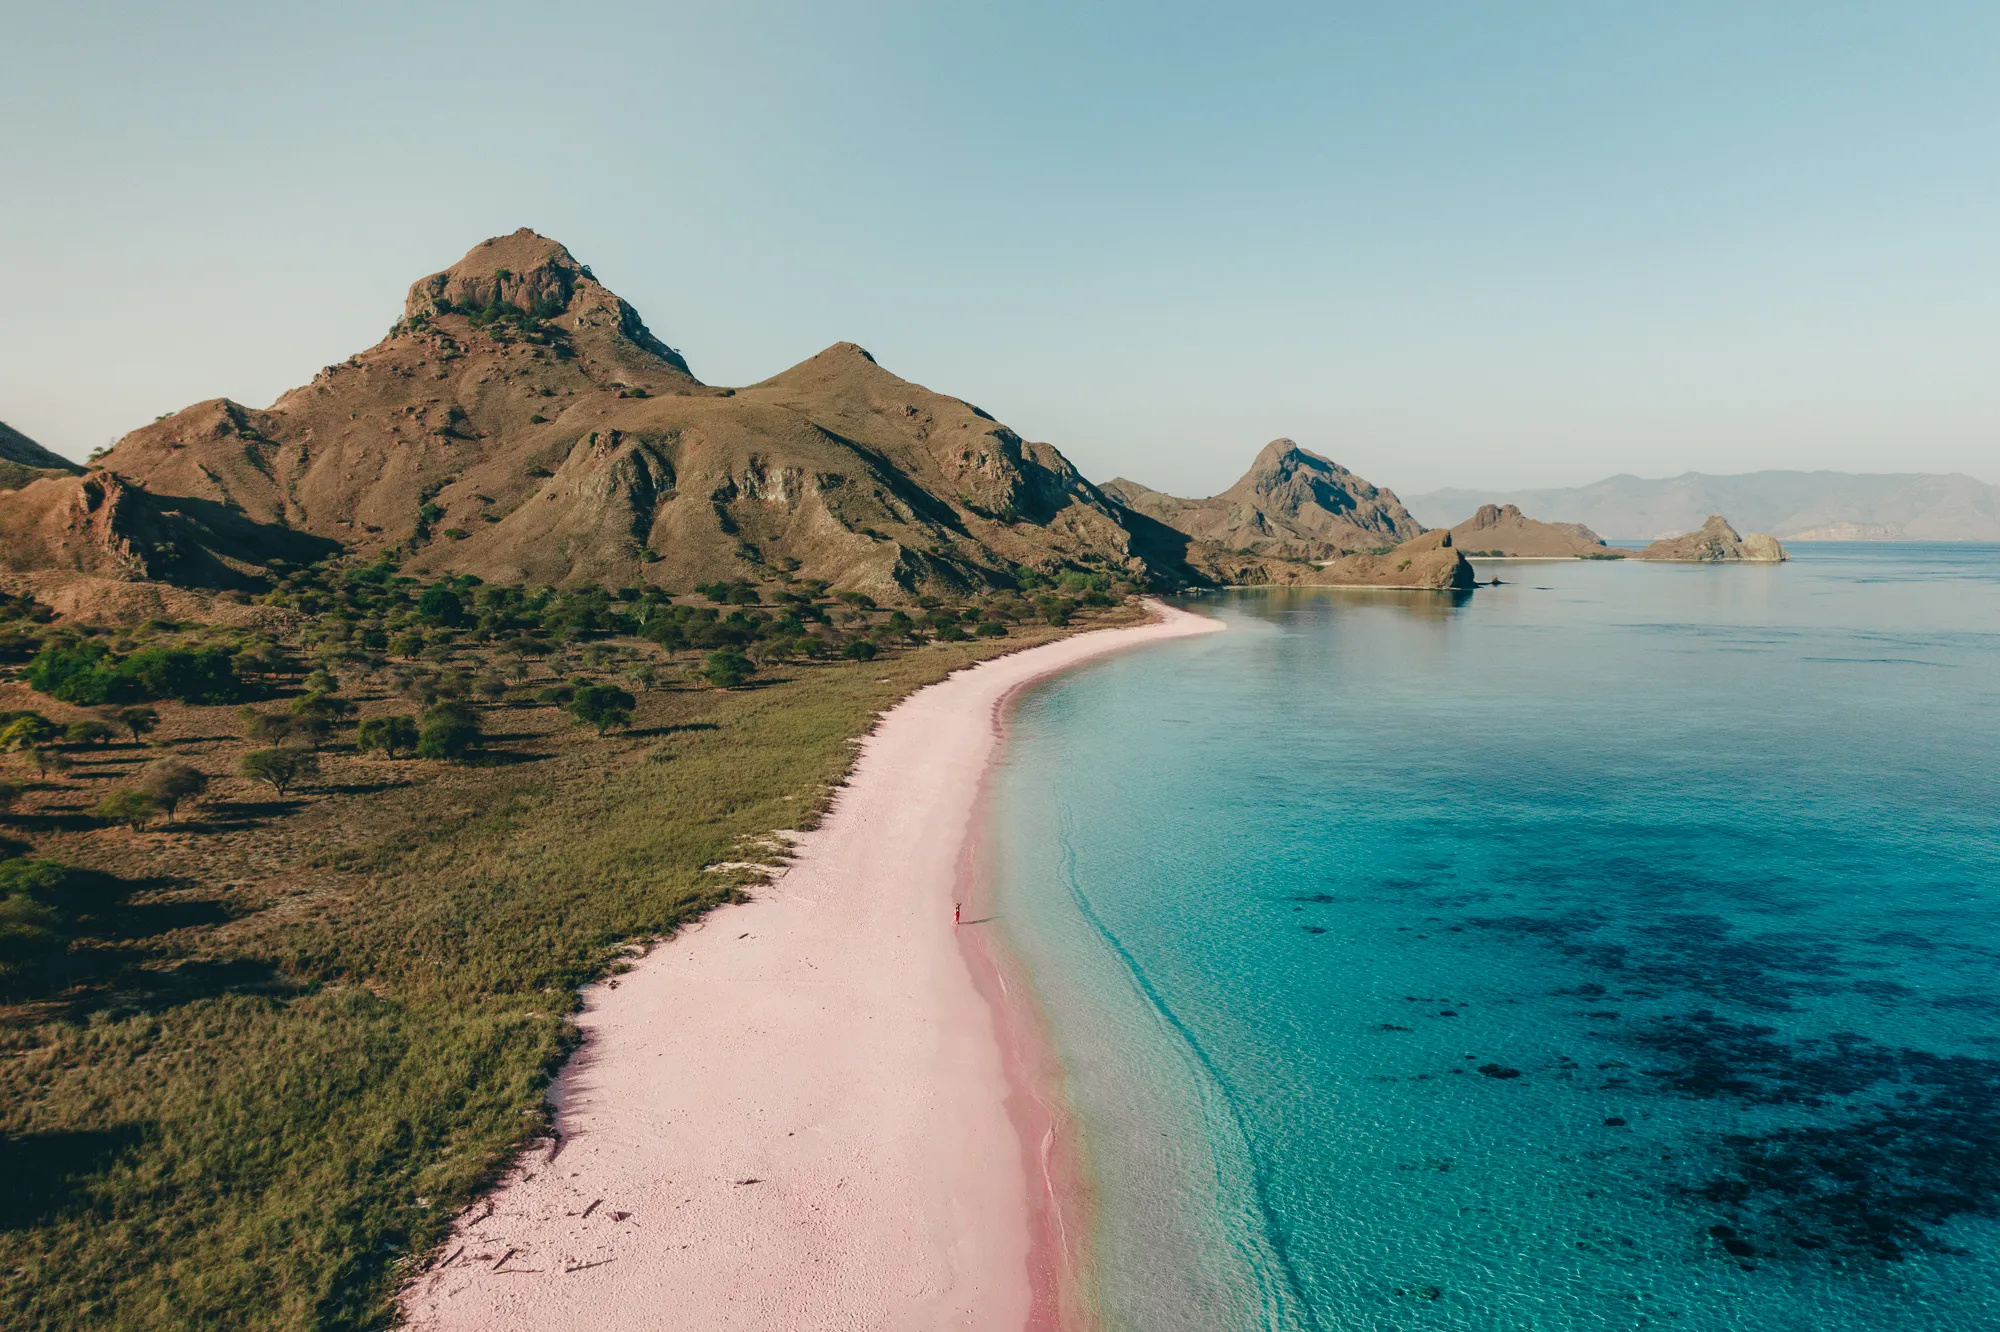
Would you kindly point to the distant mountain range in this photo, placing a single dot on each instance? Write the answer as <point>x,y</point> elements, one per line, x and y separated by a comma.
<point>1797,506</point>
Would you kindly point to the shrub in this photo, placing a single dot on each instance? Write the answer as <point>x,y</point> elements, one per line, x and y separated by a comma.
<point>204,675</point>
<point>167,782</point>
<point>556,695</point>
<point>448,731</point>
<point>26,730</point>
<point>86,733</point>
<point>859,650</point>
<point>128,807</point>
<point>29,923</point>
<point>727,669</point>
<point>388,734</point>
<point>991,629</point>
<point>602,706</point>
<point>280,768</point>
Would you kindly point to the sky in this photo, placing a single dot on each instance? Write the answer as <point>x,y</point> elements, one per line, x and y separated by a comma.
<point>1447,244</point>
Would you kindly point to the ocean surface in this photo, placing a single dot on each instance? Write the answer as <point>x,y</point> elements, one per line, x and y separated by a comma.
<point>1615,948</point>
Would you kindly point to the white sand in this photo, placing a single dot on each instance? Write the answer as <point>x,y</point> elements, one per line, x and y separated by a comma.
<point>792,1115</point>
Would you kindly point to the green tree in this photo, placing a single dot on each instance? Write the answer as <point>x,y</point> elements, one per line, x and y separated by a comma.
<point>280,768</point>
<point>167,782</point>
<point>602,706</point>
<point>727,668</point>
<point>388,734</point>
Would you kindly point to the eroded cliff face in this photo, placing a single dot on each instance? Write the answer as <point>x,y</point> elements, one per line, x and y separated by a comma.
<point>1716,542</point>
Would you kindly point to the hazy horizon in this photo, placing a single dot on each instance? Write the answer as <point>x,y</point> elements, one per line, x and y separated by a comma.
<point>1446,247</point>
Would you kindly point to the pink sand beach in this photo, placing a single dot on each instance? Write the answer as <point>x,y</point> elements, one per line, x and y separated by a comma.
<point>814,1109</point>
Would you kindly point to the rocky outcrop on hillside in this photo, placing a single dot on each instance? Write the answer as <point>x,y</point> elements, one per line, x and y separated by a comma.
<point>1291,504</point>
<point>1503,530</point>
<point>103,525</point>
<point>1716,542</point>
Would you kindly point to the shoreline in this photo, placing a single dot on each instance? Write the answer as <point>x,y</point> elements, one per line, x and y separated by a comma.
<point>792,1113</point>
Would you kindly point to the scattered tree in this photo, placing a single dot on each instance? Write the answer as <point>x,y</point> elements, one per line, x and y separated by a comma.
<point>86,733</point>
<point>602,706</point>
<point>267,728</point>
<point>167,782</point>
<point>139,719</point>
<point>728,668</point>
<point>448,731</point>
<point>387,734</point>
<point>27,730</point>
<point>280,768</point>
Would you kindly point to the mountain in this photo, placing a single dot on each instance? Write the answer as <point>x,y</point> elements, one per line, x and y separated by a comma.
<point>1502,529</point>
<point>1808,506</point>
<point>1716,542</point>
<point>22,460</point>
<point>520,422</point>
<point>1291,505</point>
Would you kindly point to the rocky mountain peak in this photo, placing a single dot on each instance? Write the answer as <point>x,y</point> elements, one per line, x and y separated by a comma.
<point>529,273</point>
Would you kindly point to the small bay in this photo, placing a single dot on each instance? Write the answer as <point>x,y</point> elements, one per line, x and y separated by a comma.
<point>1612,948</point>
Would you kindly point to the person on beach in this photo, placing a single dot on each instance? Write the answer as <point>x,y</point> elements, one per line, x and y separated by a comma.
<point>954,915</point>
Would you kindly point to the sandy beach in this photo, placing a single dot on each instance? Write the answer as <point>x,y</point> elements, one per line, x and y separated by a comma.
<point>803,1112</point>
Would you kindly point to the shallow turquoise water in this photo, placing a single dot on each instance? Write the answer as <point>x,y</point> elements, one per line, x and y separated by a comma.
<point>1359,922</point>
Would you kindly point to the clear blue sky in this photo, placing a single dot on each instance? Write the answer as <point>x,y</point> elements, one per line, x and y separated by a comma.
<point>1445,243</point>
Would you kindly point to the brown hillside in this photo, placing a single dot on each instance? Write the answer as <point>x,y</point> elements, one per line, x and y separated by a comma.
<point>521,423</point>
<point>1291,504</point>
<point>1505,530</point>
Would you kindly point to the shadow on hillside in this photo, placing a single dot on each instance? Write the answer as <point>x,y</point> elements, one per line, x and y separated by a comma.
<point>651,731</point>
<point>242,815</point>
<point>507,758</point>
<point>46,1173</point>
<point>109,946</point>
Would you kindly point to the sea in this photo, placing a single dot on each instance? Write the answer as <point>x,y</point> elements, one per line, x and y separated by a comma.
<point>1617,947</point>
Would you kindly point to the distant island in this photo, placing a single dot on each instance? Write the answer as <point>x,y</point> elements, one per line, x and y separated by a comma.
<point>1795,506</point>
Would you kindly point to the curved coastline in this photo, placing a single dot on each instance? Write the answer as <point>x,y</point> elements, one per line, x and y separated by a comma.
<point>792,1114</point>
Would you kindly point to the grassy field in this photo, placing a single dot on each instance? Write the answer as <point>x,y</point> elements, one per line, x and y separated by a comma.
<point>300,1032</point>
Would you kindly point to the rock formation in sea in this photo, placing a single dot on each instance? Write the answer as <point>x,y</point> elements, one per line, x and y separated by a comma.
<point>1716,542</point>
<point>1502,529</point>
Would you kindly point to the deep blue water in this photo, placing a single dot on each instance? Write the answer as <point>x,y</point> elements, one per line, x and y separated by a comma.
<point>1613,948</point>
